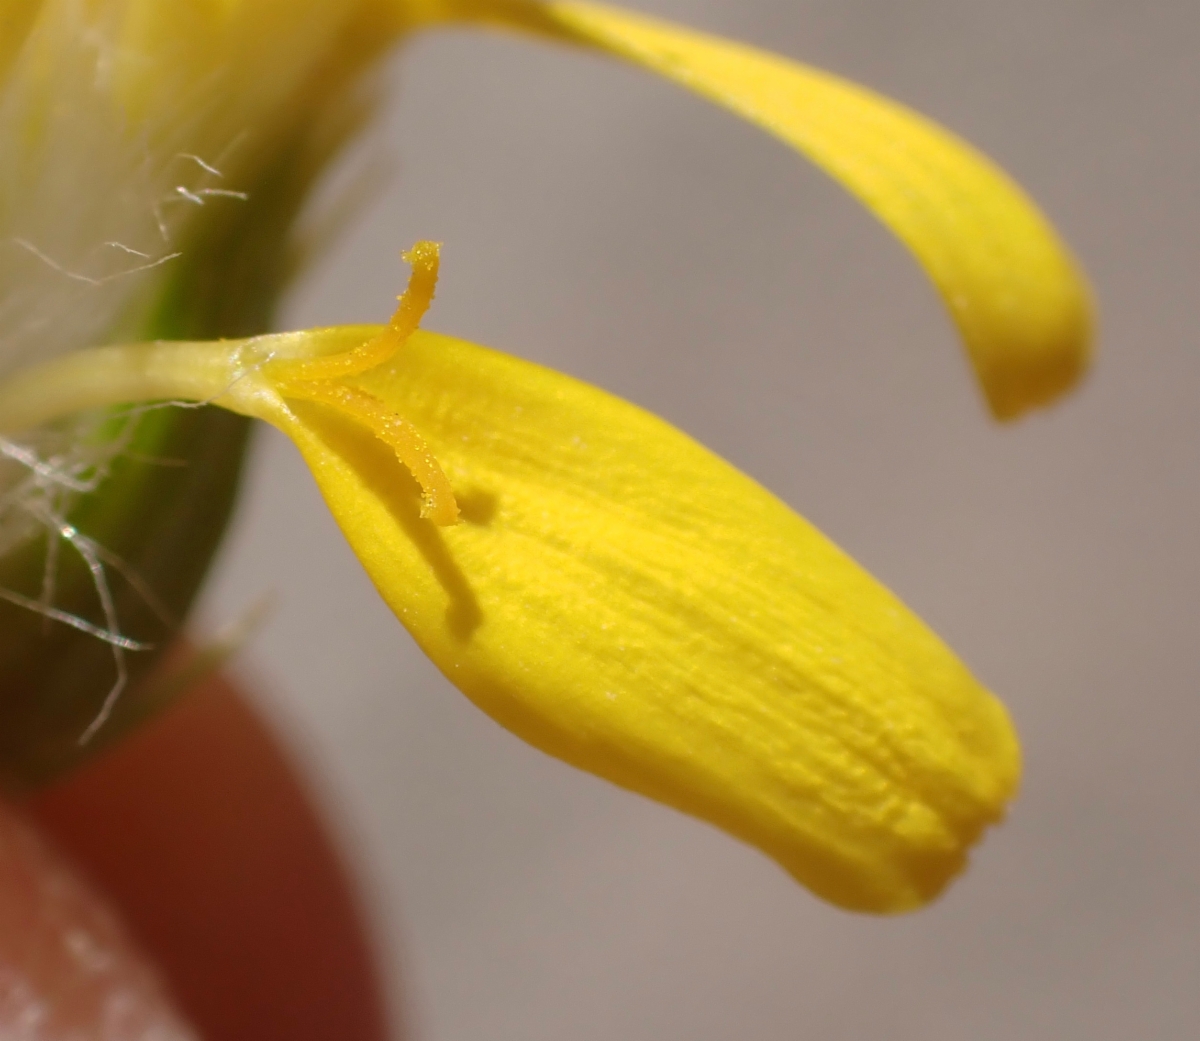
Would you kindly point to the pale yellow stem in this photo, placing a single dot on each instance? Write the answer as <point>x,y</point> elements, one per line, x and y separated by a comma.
<point>239,375</point>
<point>110,376</point>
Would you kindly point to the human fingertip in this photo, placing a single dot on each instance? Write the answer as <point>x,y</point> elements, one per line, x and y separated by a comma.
<point>68,970</point>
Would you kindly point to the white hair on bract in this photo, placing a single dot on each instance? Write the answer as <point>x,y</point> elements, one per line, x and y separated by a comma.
<point>141,145</point>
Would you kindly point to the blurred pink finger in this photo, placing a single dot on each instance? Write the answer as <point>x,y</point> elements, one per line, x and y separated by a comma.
<point>199,830</point>
<point>68,971</point>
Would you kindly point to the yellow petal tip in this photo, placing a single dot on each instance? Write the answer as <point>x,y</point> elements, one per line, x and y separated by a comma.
<point>1024,374</point>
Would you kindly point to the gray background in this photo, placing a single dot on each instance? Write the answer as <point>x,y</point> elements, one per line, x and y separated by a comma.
<point>590,214</point>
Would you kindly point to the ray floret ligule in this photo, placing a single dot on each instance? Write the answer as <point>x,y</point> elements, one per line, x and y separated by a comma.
<point>588,575</point>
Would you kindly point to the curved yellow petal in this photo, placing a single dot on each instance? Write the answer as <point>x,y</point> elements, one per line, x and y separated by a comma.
<point>611,591</point>
<point>1018,298</point>
<point>621,598</point>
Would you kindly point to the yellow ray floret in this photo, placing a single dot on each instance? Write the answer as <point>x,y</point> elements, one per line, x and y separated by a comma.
<point>615,594</point>
<point>1013,289</point>
<point>588,575</point>
<point>182,104</point>
<point>194,83</point>
<point>623,599</point>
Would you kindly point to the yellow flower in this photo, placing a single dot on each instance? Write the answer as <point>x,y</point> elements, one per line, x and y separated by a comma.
<point>592,578</point>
